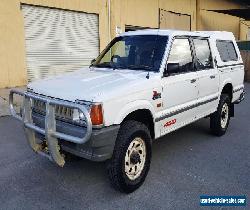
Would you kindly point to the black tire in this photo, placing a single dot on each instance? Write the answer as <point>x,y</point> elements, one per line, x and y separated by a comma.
<point>216,124</point>
<point>129,131</point>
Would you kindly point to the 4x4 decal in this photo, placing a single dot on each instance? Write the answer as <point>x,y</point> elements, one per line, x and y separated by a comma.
<point>169,123</point>
<point>156,95</point>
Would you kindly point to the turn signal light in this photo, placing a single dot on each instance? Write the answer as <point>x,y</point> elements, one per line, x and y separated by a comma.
<point>96,114</point>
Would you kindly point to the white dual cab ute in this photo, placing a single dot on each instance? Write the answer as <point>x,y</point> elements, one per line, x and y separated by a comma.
<point>144,85</point>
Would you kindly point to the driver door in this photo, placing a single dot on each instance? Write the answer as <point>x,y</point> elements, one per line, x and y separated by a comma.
<point>180,92</point>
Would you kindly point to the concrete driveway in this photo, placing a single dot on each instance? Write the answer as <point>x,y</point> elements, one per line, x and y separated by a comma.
<point>4,101</point>
<point>186,164</point>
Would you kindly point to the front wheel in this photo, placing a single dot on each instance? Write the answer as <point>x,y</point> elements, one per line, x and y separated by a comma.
<point>219,120</point>
<point>131,158</point>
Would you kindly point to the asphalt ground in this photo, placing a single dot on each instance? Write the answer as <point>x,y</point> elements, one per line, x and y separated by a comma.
<point>185,164</point>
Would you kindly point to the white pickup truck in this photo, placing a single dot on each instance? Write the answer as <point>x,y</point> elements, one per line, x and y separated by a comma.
<point>144,85</point>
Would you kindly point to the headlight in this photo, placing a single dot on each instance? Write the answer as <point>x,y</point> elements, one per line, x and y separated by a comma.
<point>81,116</point>
<point>78,116</point>
<point>95,111</point>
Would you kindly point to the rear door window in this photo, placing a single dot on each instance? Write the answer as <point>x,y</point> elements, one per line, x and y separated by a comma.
<point>226,50</point>
<point>203,54</point>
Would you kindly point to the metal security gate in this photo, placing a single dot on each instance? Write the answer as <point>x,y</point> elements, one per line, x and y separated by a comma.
<point>58,41</point>
<point>172,20</point>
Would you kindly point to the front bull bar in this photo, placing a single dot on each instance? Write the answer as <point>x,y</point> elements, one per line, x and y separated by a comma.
<point>50,133</point>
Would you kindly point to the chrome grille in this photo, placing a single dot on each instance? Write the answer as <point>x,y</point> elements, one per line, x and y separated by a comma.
<point>39,106</point>
<point>61,112</point>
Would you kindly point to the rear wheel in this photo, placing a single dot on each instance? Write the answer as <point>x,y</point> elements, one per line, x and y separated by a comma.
<point>219,120</point>
<point>131,158</point>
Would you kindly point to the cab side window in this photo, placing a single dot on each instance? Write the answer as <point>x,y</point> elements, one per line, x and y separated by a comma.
<point>180,58</point>
<point>203,54</point>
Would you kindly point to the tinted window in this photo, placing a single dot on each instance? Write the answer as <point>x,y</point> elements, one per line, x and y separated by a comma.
<point>141,52</point>
<point>227,51</point>
<point>181,55</point>
<point>203,54</point>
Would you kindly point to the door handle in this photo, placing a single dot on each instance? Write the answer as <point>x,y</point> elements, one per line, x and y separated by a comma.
<point>212,77</point>
<point>193,80</point>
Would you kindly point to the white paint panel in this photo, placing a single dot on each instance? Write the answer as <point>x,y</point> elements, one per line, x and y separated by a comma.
<point>58,41</point>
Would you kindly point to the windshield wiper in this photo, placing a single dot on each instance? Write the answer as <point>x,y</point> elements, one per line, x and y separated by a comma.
<point>140,67</point>
<point>104,65</point>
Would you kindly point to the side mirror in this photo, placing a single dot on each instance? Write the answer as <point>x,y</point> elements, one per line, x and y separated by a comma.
<point>92,61</point>
<point>172,68</point>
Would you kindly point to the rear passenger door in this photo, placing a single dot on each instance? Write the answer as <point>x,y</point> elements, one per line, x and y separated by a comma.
<point>208,77</point>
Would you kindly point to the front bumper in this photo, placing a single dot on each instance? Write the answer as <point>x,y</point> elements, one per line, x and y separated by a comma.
<point>82,141</point>
<point>98,148</point>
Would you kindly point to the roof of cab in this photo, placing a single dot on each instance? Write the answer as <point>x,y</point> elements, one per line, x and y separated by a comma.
<point>215,34</point>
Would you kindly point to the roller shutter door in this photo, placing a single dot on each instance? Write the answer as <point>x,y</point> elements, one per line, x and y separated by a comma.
<point>172,20</point>
<point>58,41</point>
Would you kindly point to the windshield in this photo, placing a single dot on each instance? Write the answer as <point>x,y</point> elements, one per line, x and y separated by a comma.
<point>141,52</point>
